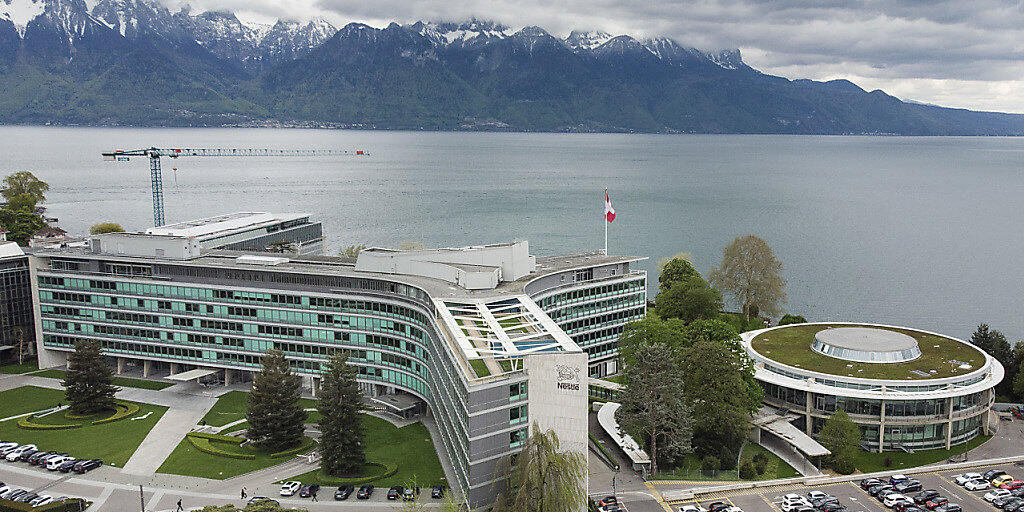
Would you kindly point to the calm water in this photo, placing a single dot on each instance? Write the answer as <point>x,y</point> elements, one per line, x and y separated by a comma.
<point>924,232</point>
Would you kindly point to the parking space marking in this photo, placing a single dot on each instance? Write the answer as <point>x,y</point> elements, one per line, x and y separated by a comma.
<point>770,504</point>
<point>658,497</point>
<point>868,499</point>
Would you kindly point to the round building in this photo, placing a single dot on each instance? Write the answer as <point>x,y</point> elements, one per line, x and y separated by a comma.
<point>904,388</point>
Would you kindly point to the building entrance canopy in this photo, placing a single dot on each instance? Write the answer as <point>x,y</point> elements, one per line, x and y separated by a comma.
<point>781,427</point>
<point>192,374</point>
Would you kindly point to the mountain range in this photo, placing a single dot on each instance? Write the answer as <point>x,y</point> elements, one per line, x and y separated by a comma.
<point>135,62</point>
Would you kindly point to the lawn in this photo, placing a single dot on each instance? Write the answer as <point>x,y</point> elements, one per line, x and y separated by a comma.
<point>777,468</point>
<point>869,462</point>
<point>123,382</point>
<point>791,346</point>
<point>409,447</point>
<point>232,406</point>
<point>187,460</point>
<point>113,442</point>
<point>27,399</point>
<point>29,366</point>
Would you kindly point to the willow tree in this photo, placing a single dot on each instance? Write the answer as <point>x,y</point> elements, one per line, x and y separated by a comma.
<point>750,275</point>
<point>544,478</point>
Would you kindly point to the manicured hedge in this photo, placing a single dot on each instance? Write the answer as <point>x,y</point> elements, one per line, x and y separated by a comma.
<point>306,444</point>
<point>124,409</point>
<point>204,445</point>
<point>27,424</point>
<point>385,471</point>
<point>68,505</point>
<point>121,411</point>
<point>218,437</point>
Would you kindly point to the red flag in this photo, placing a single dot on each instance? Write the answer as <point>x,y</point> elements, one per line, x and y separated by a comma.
<point>609,212</point>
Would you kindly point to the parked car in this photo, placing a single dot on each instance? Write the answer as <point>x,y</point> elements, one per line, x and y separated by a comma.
<point>42,499</point>
<point>897,478</point>
<point>67,466</point>
<point>1011,502</point>
<point>11,491</point>
<point>891,500</point>
<point>55,462</point>
<point>38,455</point>
<point>46,460</point>
<point>26,454</point>
<point>978,484</point>
<point>908,486</point>
<point>395,492</point>
<point>1015,506</point>
<point>364,492</point>
<point>879,490</point>
<point>308,490</point>
<point>343,492</point>
<point>1013,484</point>
<point>1001,502</point>
<point>1018,492</point>
<point>12,455</point>
<point>832,506</point>
<point>936,502</point>
<point>290,488</point>
<point>792,502</point>
<point>410,494</point>
<point>996,482</point>
<point>27,497</point>
<point>813,495</point>
<point>437,492</point>
<point>7,447</point>
<point>911,509</point>
<point>992,473</point>
<point>821,502</point>
<point>950,507</point>
<point>692,508</point>
<point>717,506</point>
<point>14,495</point>
<point>995,494</point>
<point>868,483</point>
<point>966,477</point>
<point>924,496</point>
<point>85,466</point>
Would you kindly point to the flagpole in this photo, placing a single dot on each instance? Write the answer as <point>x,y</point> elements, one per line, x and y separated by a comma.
<point>604,219</point>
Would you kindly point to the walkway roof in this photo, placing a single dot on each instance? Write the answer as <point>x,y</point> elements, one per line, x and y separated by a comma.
<point>192,374</point>
<point>780,425</point>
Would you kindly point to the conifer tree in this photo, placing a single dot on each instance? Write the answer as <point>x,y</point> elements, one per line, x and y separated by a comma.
<point>341,426</point>
<point>88,384</point>
<point>275,415</point>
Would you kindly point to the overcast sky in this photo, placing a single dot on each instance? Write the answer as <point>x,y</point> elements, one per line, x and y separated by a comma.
<point>966,53</point>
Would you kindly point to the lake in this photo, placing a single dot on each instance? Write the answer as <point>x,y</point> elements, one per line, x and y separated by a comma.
<point>922,232</point>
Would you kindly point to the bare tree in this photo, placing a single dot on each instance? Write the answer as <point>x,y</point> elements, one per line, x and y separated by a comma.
<point>750,275</point>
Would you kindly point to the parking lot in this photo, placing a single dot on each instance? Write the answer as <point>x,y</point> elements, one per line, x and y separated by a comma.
<point>852,496</point>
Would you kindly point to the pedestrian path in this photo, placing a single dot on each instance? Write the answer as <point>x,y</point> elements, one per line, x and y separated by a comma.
<point>162,440</point>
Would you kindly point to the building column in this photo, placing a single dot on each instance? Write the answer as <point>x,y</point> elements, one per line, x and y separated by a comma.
<point>949,423</point>
<point>809,430</point>
<point>147,367</point>
<point>174,368</point>
<point>227,377</point>
<point>120,365</point>
<point>881,429</point>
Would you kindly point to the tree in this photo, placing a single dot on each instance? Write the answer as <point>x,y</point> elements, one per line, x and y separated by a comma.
<point>688,299</point>
<point>995,344</point>
<point>341,426</point>
<point>24,189</point>
<point>650,330</point>
<point>1018,382</point>
<point>20,222</point>
<point>840,436</point>
<point>788,319</point>
<point>544,478</point>
<point>105,227</point>
<point>654,404</point>
<point>352,251</point>
<point>275,417</point>
<point>88,384</point>
<point>674,269</point>
<point>717,388</point>
<point>750,274</point>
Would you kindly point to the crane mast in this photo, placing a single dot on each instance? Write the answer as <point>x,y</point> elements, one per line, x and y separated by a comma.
<point>156,176</point>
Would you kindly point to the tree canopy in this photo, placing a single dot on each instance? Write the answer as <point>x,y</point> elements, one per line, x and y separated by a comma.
<point>275,415</point>
<point>650,330</point>
<point>995,344</point>
<point>106,227</point>
<point>841,436</point>
<point>788,319</point>
<point>23,189</point>
<point>750,274</point>
<point>544,478</point>
<point>88,383</point>
<point>21,223</point>
<point>341,426</point>
<point>688,299</point>
<point>675,269</point>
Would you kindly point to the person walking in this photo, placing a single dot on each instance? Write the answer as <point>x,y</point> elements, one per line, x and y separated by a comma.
<point>314,494</point>
<point>179,505</point>
<point>243,493</point>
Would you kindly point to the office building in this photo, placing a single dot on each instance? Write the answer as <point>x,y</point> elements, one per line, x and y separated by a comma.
<point>246,231</point>
<point>17,325</point>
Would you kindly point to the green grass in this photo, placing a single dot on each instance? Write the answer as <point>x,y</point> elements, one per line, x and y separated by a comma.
<point>113,442</point>
<point>231,406</point>
<point>409,447</point>
<point>188,461</point>
<point>123,382</point>
<point>479,367</point>
<point>777,468</point>
<point>791,346</point>
<point>15,368</point>
<point>690,470</point>
<point>870,462</point>
<point>27,399</point>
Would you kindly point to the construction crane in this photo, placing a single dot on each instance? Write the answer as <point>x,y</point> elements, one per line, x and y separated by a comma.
<point>154,155</point>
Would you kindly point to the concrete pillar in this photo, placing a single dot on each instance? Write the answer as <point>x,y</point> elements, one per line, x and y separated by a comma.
<point>120,365</point>
<point>881,429</point>
<point>949,422</point>
<point>807,411</point>
<point>227,377</point>
<point>147,368</point>
<point>174,368</point>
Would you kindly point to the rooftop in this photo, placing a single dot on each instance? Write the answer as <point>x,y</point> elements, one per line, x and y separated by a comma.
<point>223,224</point>
<point>940,357</point>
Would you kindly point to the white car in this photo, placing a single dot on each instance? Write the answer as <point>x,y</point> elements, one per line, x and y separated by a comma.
<point>7,446</point>
<point>15,453</point>
<point>791,502</point>
<point>966,477</point>
<point>978,484</point>
<point>813,495</point>
<point>53,463</point>
<point>734,509</point>
<point>43,499</point>
<point>995,494</point>
<point>290,488</point>
<point>891,500</point>
<point>692,508</point>
<point>9,492</point>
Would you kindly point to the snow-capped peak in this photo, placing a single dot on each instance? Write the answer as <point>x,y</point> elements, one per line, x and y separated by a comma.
<point>580,40</point>
<point>20,12</point>
<point>466,33</point>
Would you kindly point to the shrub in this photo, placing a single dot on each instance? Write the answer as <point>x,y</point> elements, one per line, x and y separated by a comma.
<point>710,463</point>
<point>760,464</point>
<point>788,319</point>
<point>68,505</point>
<point>887,462</point>
<point>760,457</point>
<point>844,466</point>
<point>727,458</point>
<point>384,472</point>
<point>747,471</point>
<point>204,445</point>
<point>27,424</point>
<point>219,437</point>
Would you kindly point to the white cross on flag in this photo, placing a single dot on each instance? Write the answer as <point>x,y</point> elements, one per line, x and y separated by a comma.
<point>609,212</point>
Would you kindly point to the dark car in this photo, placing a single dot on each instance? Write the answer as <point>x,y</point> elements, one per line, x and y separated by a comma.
<point>1002,502</point>
<point>868,483</point>
<point>1018,492</point>
<point>717,506</point>
<point>911,508</point>
<point>936,502</point>
<point>343,492</point>
<point>85,466</point>
<point>877,490</point>
<point>26,497</point>
<point>821,502</point>
<point>38,455</point>
<point>831,507</point>
<point>364,492</point>
<point>308,490</point>
<point>950,507</point>
<point>395,492</point>
<point>67,466</point>
<point>992,473</point>
<point>923,496</point>
<point>908,486</point>
<point>26,454</point>
<point>1014,506</point>
<point>438,492</point>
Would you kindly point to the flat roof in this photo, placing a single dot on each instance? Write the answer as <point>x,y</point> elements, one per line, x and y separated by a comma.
<point>223,224</point>
<point>502,328</point>
<point>632,449</point>
<point>192,374</point>
<point>941,356</point>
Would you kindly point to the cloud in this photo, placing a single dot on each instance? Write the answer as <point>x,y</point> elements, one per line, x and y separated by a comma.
<point>950,52</point>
